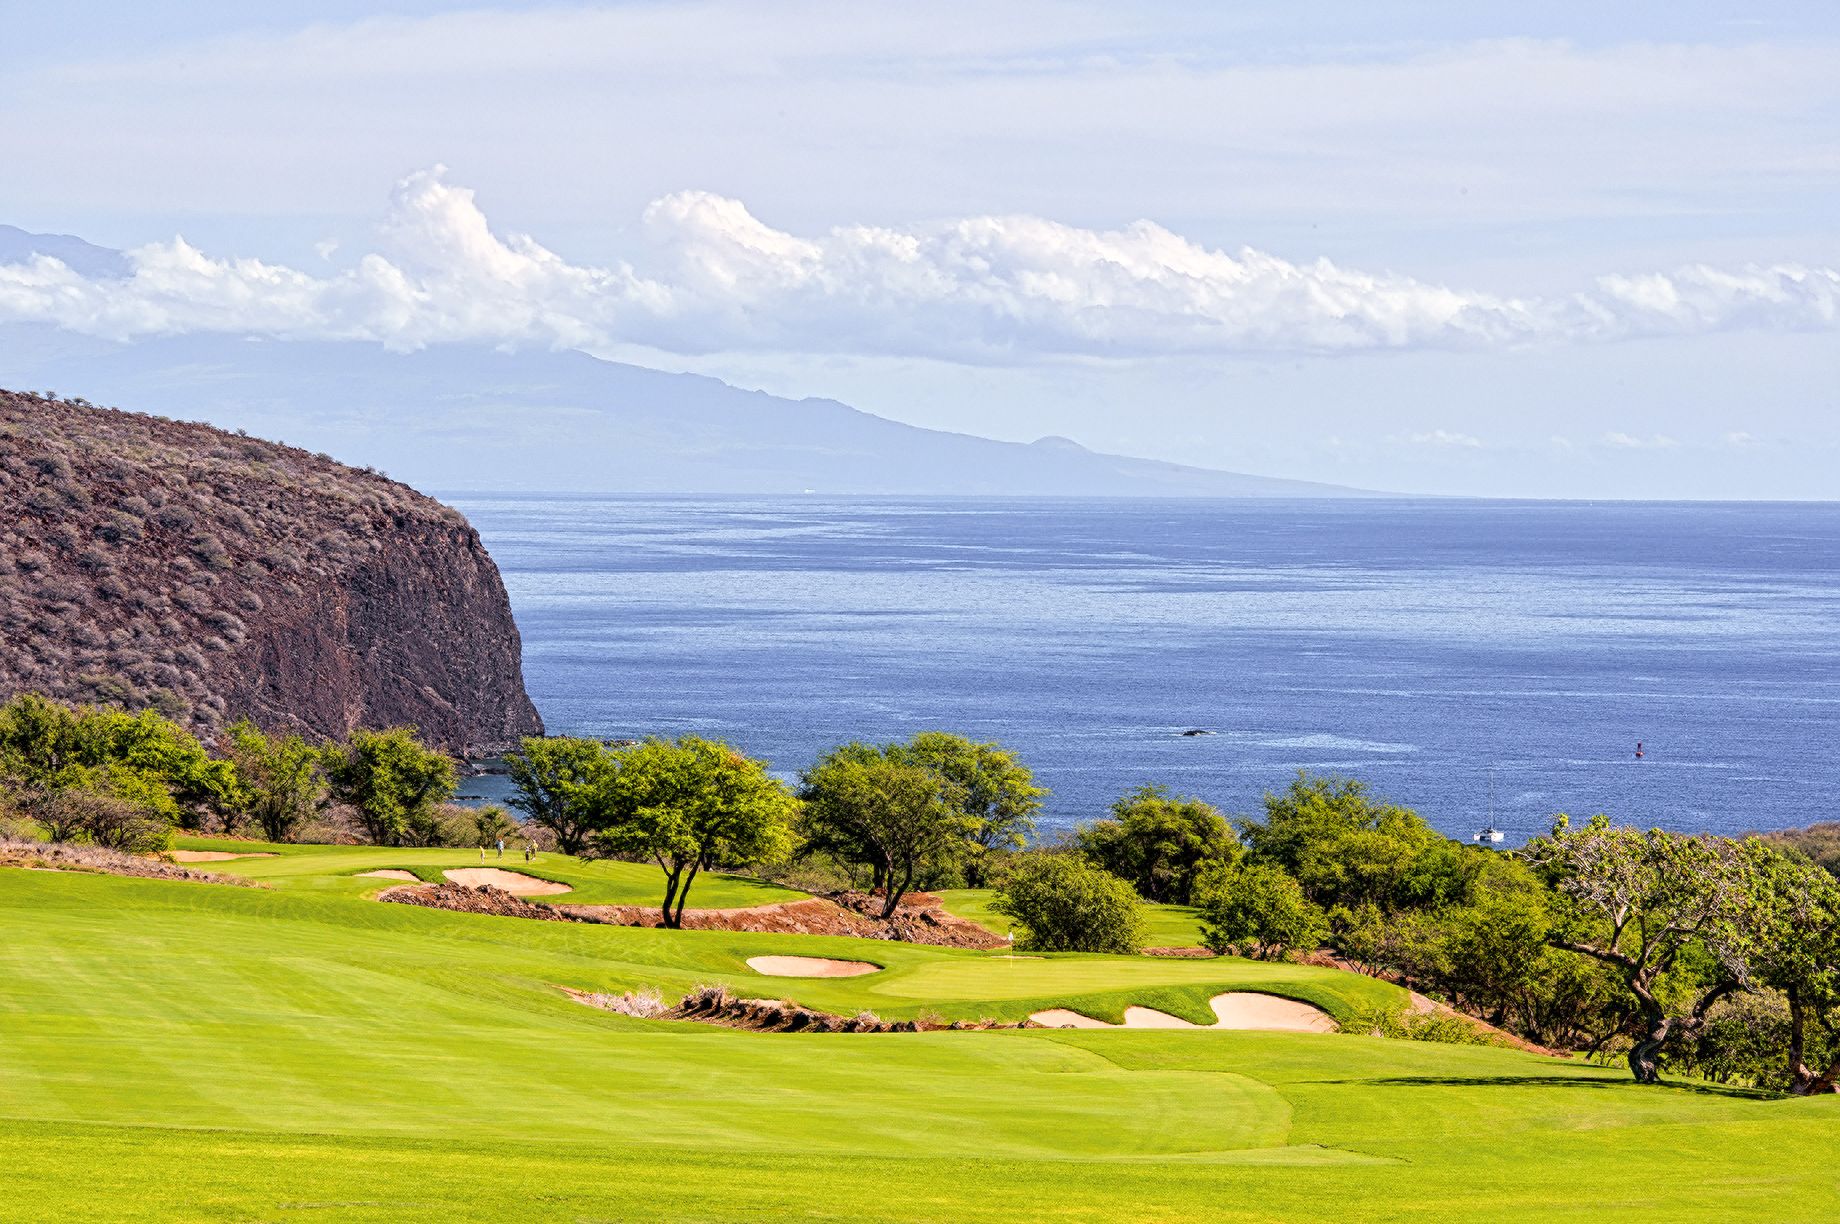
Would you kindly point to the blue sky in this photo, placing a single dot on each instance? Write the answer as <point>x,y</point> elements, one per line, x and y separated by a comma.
<point>1553,250</point>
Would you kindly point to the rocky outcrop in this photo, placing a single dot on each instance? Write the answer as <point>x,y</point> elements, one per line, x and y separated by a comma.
<point>149,562</point>
<point>471,899</point>
<point>715,1005</point>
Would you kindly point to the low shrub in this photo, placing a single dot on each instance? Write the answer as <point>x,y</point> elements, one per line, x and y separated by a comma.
<point>1065,904</point>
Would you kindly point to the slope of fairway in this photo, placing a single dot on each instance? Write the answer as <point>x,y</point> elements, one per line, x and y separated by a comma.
<point>191,1051</point>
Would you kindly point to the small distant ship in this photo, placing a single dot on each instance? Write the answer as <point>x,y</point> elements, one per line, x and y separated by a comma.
<point>1489,835</point>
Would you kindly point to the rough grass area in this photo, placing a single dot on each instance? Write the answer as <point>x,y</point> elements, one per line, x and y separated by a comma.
<point>180,1052</point>
<point>67,856</point>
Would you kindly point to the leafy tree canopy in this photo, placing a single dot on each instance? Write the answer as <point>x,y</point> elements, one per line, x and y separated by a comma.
<point>1348,849</point>
<point>144,760</point>
<point>876,806</point>
<point>986,782</point>
<point>559,786</point>
<point>281,777</point>
<point>1673,915</point>
<point>1257,910</point>
<point>1159,842</point>
<point>691,804</point>
<point>1065,904</point>
<point>392,783</point>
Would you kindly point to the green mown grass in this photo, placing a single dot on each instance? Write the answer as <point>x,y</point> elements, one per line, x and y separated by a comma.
<point>189,1051</point>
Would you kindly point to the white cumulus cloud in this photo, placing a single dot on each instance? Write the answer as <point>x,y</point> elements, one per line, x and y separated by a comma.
<point>1009,289</point>
<point>1445,437</point>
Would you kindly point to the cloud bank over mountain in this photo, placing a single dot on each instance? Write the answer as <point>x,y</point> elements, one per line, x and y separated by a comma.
<point>979,290</point>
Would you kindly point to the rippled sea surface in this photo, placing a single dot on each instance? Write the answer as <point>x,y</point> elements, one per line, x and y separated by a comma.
<point>1429,647</point>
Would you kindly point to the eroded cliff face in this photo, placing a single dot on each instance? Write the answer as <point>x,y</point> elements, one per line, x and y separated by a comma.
<point>215,576</point>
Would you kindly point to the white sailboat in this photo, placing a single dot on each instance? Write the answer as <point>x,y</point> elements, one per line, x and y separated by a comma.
<point>1489,835</point>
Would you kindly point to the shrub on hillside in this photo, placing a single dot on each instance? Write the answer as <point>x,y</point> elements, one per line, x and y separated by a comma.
<point>116,809</point>
<point>1160,842</point>
<point>1260,911</point>
<point>282,778</point>
<point>393,784</point>
<point>1403,1025</point>
<point>1065,904</point>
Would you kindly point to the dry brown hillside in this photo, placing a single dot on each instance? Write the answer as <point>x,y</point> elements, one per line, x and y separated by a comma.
<point>153,562</point>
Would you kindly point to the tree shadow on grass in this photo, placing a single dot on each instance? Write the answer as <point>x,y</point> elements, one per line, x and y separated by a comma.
<point>1697,1088</point>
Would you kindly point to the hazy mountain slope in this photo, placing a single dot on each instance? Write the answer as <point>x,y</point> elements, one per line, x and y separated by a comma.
<point>466,417</point>
<point>17,246</point>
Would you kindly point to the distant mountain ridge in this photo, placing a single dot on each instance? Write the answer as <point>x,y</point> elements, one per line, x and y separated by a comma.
<point>473,417</point>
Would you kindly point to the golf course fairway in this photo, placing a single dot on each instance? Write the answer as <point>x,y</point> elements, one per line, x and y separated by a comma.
<point>190,1051</point>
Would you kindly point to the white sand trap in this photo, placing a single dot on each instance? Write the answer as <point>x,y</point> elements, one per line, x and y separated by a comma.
<point>391,873</point>
<point>1149,1017</point>
<point>809,966</point>
<point>1244,1009</point>
<point>1237,1009</point>
<point>511,881</point>
<point>212,856</point>
<point>1060,1017</point>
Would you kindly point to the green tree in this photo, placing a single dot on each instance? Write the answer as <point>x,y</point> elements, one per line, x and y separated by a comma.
<point>113,806</point>
<point>1347,849</point>
<point>490,823</point>
<point>1671,914</point>
<point>1159,842</point>
<point>144,761</point>
<point>689,805</point>
<point>873,805</point>
<point>1795,949</point>
<point>1065,904</point>
<point>557,783</point>
<point>987,783</point>
<point>393,784</point>
<point>282,778</point>
<point>1257,910</point>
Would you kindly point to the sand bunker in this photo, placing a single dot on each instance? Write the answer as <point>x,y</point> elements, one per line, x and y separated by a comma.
<point>391,873</point>
<point>1243,1009</point>
<point>1237,1009</point>
<point>1060,1017</point>
<point>809,967</point>
<point>213,856</point>
<point>514,882</point>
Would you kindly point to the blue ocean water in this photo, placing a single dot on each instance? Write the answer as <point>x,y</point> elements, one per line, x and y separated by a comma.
<point>1433,648</point>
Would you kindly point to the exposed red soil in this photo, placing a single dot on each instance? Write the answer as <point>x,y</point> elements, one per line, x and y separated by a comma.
<point>481,900</point>
<point>919,919</point>
<point>1187,953</point>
